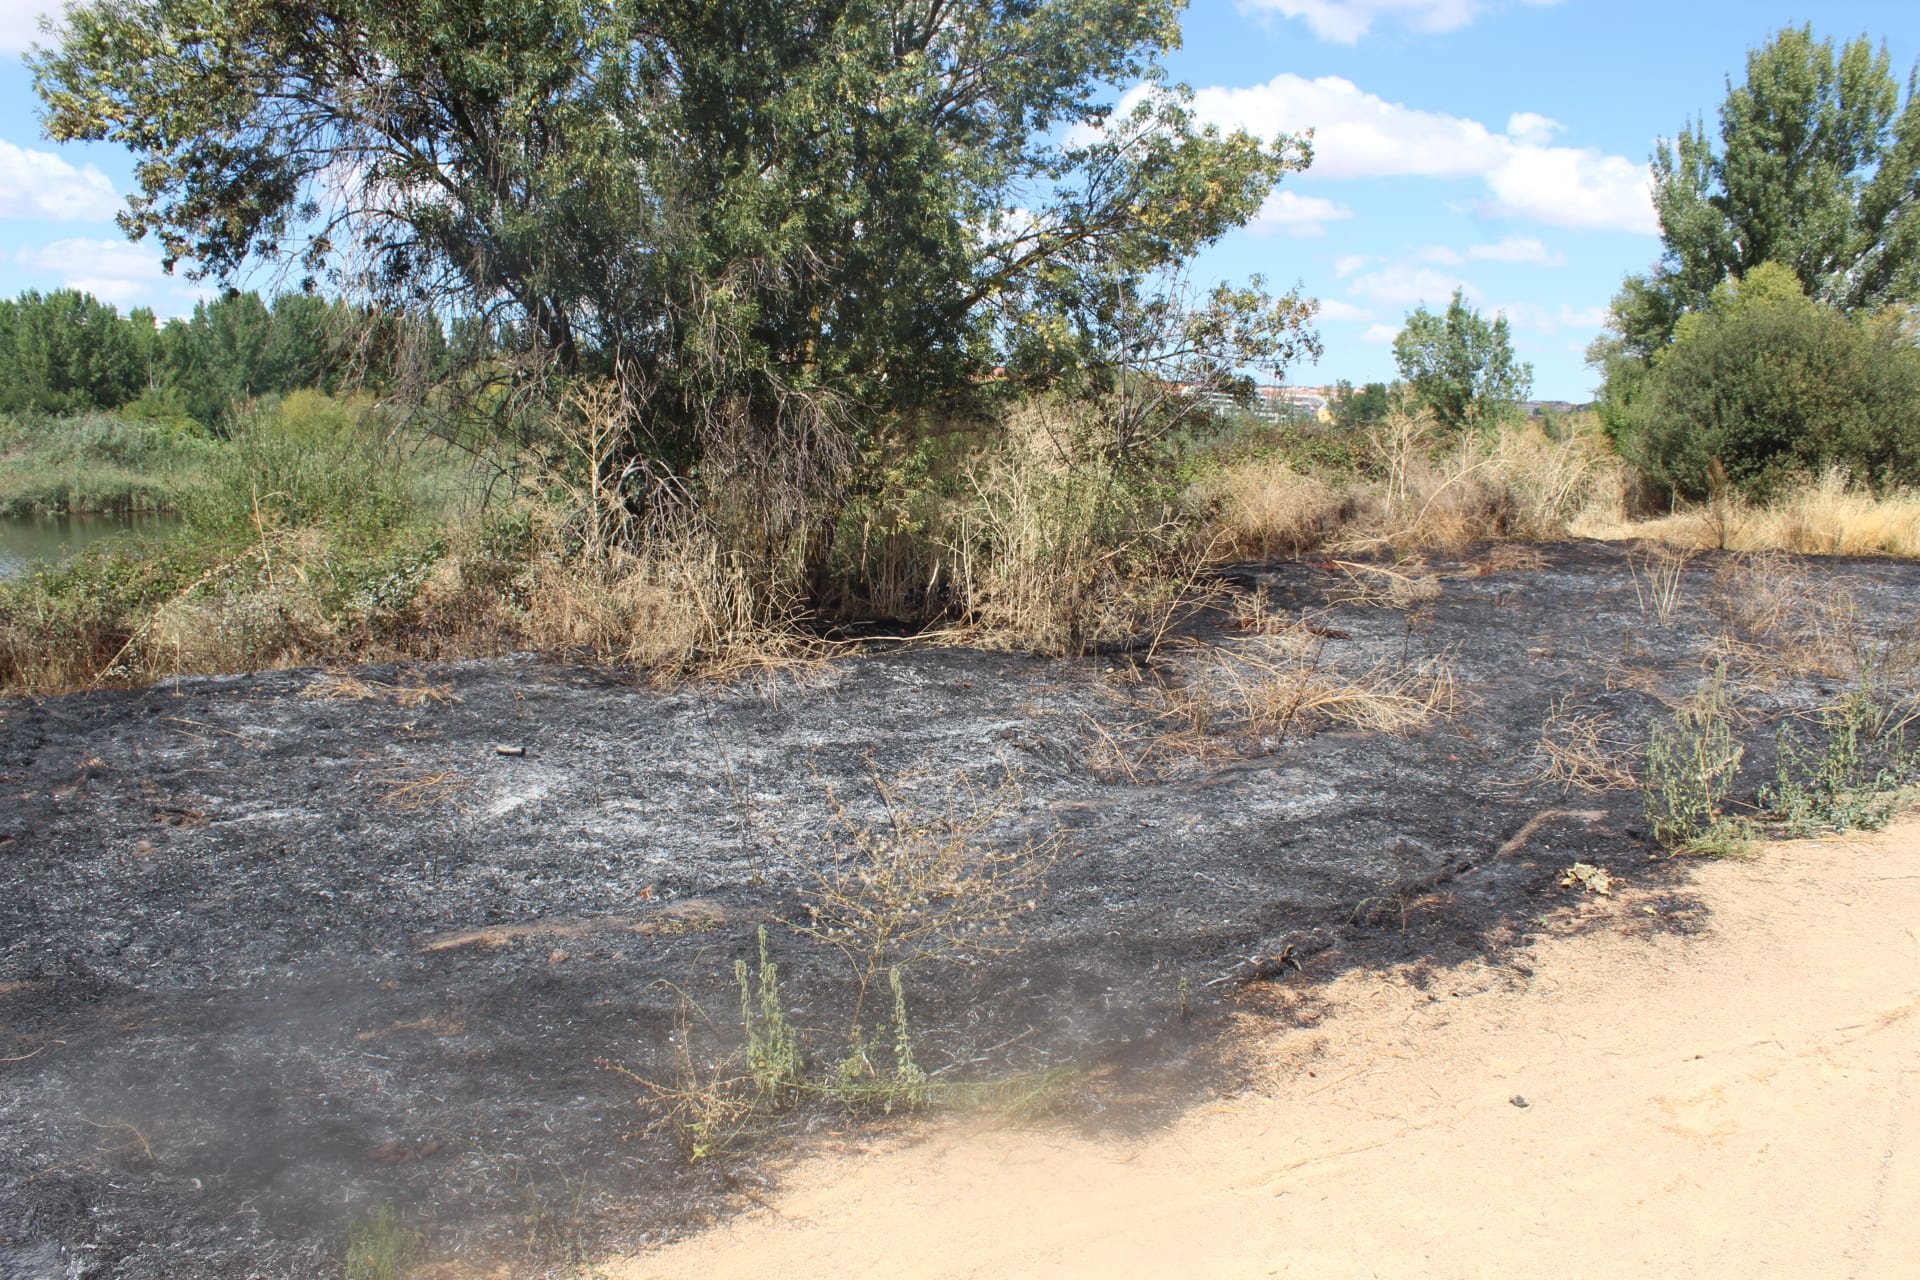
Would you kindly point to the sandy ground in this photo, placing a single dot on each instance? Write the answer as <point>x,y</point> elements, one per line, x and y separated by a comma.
<point>1741,1102</point>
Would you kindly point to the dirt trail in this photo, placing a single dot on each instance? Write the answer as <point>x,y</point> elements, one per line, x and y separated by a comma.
<point>1740,1102</point>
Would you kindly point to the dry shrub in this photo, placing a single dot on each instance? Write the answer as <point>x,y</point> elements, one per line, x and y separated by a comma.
<point>1062,550</point>
<point>1264,508</point>
<point>900,883</point>
<point>1659,577</point>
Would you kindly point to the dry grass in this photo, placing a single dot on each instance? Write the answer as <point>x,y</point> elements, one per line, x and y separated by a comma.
<point>1520,484</point>
<point>1382,586</point>
<point>1776,621</point>
<point>1251,694</point>
<point>1830,516</point>
<point>1659,575</point>
<point>1266,509</point>
<point>1585,750</point>
<point>339,687</point>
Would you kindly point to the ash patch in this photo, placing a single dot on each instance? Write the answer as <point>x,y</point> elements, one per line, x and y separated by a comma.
<point>268,960</point>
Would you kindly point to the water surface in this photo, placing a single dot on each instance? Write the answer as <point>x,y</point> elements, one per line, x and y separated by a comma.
<point>29,540</point>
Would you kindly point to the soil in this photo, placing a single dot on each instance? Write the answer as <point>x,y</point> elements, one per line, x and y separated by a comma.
<point>1741,1102</point>
<point>278,950</point>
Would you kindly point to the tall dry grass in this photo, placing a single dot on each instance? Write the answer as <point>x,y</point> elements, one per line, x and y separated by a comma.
<point>1830,516</point>
<point>1420,492</point>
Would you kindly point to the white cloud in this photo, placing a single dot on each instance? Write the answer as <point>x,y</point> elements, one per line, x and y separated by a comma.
<point>114,271</point>
<point>1345,21</point>
<point>1348,263</point>
<point>1530,126</point>
<point>1518,249</point>
<point>20,24</point>
<point>1534,317</point>
<point>1333,309</point>
<point>1402,285</point>
<point>1523,249</point>
<point>1362,135</point>
<point>39,184</point>
<point>1289,213</point>
<point>1570,188</point>
<point>1382,333</point>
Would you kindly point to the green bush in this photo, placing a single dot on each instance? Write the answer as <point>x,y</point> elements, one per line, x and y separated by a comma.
<point>1769,384</point>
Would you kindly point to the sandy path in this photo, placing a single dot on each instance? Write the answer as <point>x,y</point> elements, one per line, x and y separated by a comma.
<point>1740,1103</point>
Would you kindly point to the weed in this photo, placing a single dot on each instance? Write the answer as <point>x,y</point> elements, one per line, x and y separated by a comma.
<point>774,1063</point>
<point>860,1083</point>
<point>1658,576</point>
<point>381,1247</point>
<point>918,884</point>
<point>1692,760</point>
<point>1853,781</point>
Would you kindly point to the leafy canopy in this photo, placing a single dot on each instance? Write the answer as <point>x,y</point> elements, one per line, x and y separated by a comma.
<point>756,213</point>
<point>1816,167</point>
<point>1461,366</point>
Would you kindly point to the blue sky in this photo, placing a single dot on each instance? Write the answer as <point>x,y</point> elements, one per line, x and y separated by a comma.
<point>1495,145</point>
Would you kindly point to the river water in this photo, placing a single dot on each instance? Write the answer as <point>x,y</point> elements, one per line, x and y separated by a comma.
<point>29,540</point>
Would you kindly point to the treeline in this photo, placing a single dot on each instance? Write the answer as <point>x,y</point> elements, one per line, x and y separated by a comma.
<point>68,352</point>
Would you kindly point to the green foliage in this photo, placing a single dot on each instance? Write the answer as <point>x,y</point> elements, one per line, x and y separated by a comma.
<point>774,1063</point>
<point>96,462</point>
<point>307,463</point>
<point>1691,763</point>
<point>759,215</point>
<point>862,1083</point>
<point>1357,408</point>
<point>67,351</point>
<point>1816,168</point>
<point>1770,383</point>
<point>1461,367</point>
<point>1852,781</point>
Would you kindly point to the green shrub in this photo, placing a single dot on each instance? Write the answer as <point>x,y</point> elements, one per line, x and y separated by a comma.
<point>1768,384</point>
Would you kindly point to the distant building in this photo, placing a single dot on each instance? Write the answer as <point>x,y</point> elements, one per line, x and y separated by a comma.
<point>1270,404</point>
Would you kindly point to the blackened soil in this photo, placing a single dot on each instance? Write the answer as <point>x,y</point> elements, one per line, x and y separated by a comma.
<point>270,960</point>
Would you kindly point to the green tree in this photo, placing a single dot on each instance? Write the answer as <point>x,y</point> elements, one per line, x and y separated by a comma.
<point>1355,408</point>
<point>1765,383</point>
<point>1460,365</point>
<point>768,218</point>
<point>66,350</point>
<point>1816,167</point>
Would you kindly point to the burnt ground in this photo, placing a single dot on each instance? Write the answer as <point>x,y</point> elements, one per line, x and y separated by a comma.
<point>268,961</point>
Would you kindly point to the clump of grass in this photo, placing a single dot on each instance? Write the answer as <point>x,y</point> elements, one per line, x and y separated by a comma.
<point>1060,546</point>
<point>1691,762</point>
<point>381,1247</point>
<point>1777,622</point>
<point>1659,577</point>
<point>1825,515</point>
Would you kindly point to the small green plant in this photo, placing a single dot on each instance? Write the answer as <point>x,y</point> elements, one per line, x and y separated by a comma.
<point>862,1083</point>
<point>1853,782</point>
<point>1691,763</point>
<point>774,1062</point>
<point>381,1247</point>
